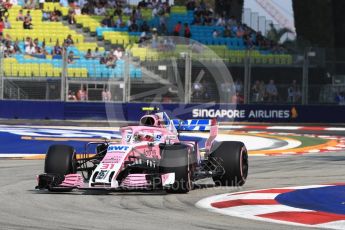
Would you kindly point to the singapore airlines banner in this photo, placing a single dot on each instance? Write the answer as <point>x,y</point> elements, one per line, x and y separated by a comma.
<point>133,111</point>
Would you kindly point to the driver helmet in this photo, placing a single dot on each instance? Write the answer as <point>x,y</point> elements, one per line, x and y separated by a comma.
<point>144,137</point>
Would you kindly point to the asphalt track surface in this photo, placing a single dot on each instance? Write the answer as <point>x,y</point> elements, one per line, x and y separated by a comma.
<point>22,207</point>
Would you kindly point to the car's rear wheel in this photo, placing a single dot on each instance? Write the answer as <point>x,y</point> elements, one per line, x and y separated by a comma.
<point>233,157</point>
<point>175,159</point>
<point>60,160</point>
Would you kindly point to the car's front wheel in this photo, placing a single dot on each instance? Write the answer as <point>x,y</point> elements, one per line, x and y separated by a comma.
<point>60,160</point>
<point>175,159</point>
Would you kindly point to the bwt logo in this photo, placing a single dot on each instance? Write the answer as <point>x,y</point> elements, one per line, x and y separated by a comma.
<point>118,148</point>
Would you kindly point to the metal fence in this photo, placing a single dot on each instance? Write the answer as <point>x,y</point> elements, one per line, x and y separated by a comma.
<point>187,77</point>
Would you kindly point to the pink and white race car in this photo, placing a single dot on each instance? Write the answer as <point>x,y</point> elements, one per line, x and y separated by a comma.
<point>151,155</point>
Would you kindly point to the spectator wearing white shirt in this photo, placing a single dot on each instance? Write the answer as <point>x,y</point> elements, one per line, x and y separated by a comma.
<point>154,12</point>
<point>215,34</point>
<point>7,24</point>
<point>127,10</point>
<point>99,10</point>
<point>106,94</point>
<point>221,22</point>
<point>272,92</point>
<point>41,3</point>
<point>30,49</point>
<point>118,53</point>
<point>119,22</point>
<point>14,2</point>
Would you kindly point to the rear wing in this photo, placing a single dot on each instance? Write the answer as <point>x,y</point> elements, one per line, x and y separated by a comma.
<point>194,125</point>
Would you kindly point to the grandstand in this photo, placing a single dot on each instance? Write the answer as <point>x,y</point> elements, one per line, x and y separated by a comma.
<point>40,76</point>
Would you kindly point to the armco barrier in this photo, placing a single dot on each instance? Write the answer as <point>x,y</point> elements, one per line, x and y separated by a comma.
<point>132,111</point>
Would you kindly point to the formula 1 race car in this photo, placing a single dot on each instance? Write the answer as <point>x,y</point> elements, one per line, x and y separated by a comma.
<point>149,156</point>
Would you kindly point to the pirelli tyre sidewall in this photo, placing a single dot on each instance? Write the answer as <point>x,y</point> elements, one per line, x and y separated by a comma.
<point>60,159</point>
<point>176,159</point>
<point>233,157</point>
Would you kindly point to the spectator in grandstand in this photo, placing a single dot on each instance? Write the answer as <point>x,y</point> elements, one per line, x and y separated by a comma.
<point>133,27</point>
<point>9,49</point>
<point>262,91</point>
<point>71,96</point>
<point>45,15</point>
<point>231,22</point>
<point>237,98</point>
<point>71,16</point>
<point>20,16</point>
<point>145,27</point>
<point>142,4</point>
<point>88,54</point>
<point>227,32</point>
<point>163,30</point>
<point>82,94</point>
<point>118,11</point>
<point>215,34</point>
<point>27,41</point>
<point>294,94</point>
<point>57,50</point>
<point>177,29</point>
<point>226,90</point>
<point>2,26</point>
<point>208,21</point>
<point>40,4</point>
<point>96,54</point>
<point>28,15</point>
<point>8,4</point>
<point>127,11</point>
<point>106,94</point>
<point>271,91</point>
<point>191,5</point>
<point>197,20</point>
<point>35,42</point>
<point>100,10</point>
<point>136,14</point>
<point>256,91</point>
<point>110,61</point>
<point>69,41</point>
<point>238,86</point>
<point>30,49</point>
<point>239,31</point>
<point>340,98</point>
<point>277,49</point>
<point>40,51</point>
<point>112,3</point>
<point>54,17</point>
<point>259,39</point>
<point>107,21</point>
<point>16,47</point>
<point>248,42</point>
<point>187,33</point>
<point>7,24</point>
<point>143,37</point>
<point>221,21</point>
<point>27,25</point>
<point>70,57</point>
<point>118,53</point>
<point>64,3</point>
<point>87,8</point>
<point>30,4</point>
<point>119,22</point>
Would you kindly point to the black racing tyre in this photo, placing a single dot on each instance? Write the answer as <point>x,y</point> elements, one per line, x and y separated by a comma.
<point>233,157</point>
<point>175,158</point>
<point>60,159</point>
